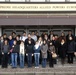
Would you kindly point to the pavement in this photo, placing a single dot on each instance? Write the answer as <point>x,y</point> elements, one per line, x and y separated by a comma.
<point>67,69</point>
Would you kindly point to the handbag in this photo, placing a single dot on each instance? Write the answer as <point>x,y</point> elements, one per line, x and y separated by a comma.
<point>54,55</point>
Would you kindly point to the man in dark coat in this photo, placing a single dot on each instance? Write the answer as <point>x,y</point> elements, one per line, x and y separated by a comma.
<point>69,35</point>
<point>70,49</point>
<point>26,44</point>
<point>29,52</point>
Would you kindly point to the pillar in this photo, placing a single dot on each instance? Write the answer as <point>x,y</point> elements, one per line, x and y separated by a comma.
<point>0,31</point>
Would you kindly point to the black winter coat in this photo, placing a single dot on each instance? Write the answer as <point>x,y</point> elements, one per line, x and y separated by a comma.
<point>26,42</point>
<point>71,47</point>
<point>30,48</point>
<point>15,49</point>
<point>62,50</point>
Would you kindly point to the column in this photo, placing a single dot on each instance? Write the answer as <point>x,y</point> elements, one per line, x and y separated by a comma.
<point>7,0</point>
<point>75,30</point>
<point>67,0</point>
<point>0,31</point>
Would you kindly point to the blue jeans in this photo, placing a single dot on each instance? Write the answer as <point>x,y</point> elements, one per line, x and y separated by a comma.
<point>43,62</point>
<point>29,59</point>
<point>37,56</point>
<point>14,59</point>
<point>21,60</point>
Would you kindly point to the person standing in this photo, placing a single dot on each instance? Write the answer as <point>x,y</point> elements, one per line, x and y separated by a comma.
<point>51,50</point>
<point>33,36</point>
<point>10,44</point>
<point>18,43</point>
<point>44,49</point>
<point>29,52</point>
<point>69,35</point>
<point>40,41</point>
<point>51,35</point>
<point>62,49</point>
<point>14,54</point>
<point>26,44</point>
<point>1,47</point>
<point>5,52</point>
<point>37,54</point>
<point>70,50</point>
<point>13,35</point>
<point>62,37</point>
<point>22,54</point>
<point>23,37</point>
<point>5,37</point>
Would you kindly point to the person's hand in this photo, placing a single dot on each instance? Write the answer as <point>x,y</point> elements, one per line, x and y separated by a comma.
<point>32,54</point>
<point>13,46</point>
<point>75,53</point>
<point>2,53</point>
<point>8,52</point>
<point>26,54</point>
<point>51,52</point>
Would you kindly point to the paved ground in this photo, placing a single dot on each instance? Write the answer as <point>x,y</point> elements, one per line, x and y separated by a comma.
<point>67,69</point>
<point>58,68</point>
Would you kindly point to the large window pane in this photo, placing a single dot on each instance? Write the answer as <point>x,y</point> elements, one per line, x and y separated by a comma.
<point>57,0</point>
<point>37,0</point>
<point>17,0</point>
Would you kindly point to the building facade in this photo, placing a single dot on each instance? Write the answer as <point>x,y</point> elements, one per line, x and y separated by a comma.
<point>37,15</point>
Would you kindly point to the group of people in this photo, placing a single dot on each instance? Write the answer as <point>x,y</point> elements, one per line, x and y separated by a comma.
<point>34,49</point>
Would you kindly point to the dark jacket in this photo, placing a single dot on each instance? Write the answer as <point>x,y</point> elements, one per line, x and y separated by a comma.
<point>11,43</point>
<point>18,42</point>
<point>67,37</point>
<point>37,50</point>
<point>26,42</point>
<point>15,49</point>
<point>62,50</point>
<point>71,47</point>
<point>30,48</point>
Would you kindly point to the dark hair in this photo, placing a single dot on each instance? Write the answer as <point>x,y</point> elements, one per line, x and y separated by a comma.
<point>13,32</point>
<point>7,41</point>
<point>4,34</point>
<point>24,32</point>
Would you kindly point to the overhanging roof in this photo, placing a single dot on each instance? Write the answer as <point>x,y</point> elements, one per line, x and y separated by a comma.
<point>37,19</point>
